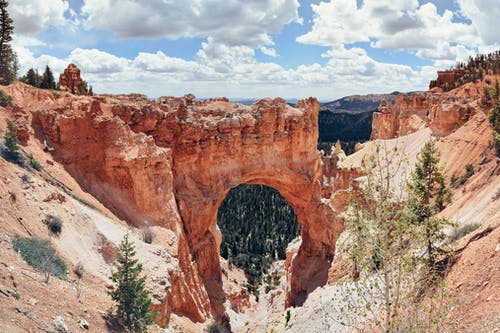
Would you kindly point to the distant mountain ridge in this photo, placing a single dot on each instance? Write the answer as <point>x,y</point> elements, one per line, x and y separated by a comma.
<point>358,103</point>
<point>349,120</point>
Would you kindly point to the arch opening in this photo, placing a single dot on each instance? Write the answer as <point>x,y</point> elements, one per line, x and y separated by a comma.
<point>257,223</point>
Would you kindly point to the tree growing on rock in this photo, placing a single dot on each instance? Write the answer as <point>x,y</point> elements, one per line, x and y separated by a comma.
<point>428,195</point>
<point>11,142</point>
<point>383,245</point>
<point>133,302</point>
<point>494,119</point>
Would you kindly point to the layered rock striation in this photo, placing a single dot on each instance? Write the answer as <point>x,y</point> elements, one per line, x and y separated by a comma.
<point>441,112</point>
<point>170,163</point>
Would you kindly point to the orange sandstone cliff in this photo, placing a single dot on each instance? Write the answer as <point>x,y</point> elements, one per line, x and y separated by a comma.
<point>169,163</point>
<point>442,112</point>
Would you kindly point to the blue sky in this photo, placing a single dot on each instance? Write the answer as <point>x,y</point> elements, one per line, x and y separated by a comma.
<point>253,49</point>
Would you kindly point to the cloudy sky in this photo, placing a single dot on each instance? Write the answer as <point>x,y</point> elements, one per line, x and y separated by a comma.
<point>253,48</point>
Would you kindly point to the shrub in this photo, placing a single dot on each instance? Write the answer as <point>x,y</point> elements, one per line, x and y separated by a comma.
<point>35,164</point>
<point>5,100</point>
<point>54,224</point>
<point>79,270</point>
<point>463,230</point>
<point>494,118</point>
<point>496,143</point>
<point>213,328</point>
<point>469,171</point>
<point>287,317</point>
<point>148,235</point>
<point>40,255</point>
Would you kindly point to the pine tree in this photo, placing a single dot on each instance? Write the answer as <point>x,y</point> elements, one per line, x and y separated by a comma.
<point>7,55</point>
<point>11,141</point>
<point>47,81</point>
<point>427,196</point>
<point>494,119</point>
<point>133,302</point>
<point>32,78</point>
<point>381,243</point>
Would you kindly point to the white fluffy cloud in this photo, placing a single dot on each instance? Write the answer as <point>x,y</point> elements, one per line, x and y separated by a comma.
<point>226,61</point>
<point>232,22</point>
<point>407,25</point>
<point>32,16</point>
<point>395,25</point>
<point>234,71</point>
<point>95,61</point>
<point>484,15</point>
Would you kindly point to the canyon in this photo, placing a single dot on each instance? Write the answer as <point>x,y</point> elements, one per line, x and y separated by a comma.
<point>168,163</point>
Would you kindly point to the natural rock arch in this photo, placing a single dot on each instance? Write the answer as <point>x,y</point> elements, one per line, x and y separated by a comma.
<point>172,161</point>
<point>278,149</point>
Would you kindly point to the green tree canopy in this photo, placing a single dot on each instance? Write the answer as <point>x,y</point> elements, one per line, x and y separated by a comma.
<point>427,196</point>
<point>32,78</point>
<point>47,79</point>
<point>8,58</point>
<point>133,302</point>
<point>11,141</point>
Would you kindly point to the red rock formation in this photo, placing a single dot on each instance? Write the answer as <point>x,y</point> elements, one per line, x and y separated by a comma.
<point>173,161</point>
<point>441,112</point>
<point>446,77</point>
<point>70,79</point>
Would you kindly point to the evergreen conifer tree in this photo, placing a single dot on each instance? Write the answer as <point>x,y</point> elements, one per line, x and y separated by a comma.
<point>427,196</point>
<point>132,298</point>
<point>8,61</point>
<point>48,81</point>
<point>494,118</point>
<point>32,78</point>
<point>11,141</point>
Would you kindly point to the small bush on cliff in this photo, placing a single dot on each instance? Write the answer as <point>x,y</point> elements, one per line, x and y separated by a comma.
<point>54,224</point>
<point>40,255</point>
<point>456,182</point>
<point>133,302</point>
<point>463,230</point>
<point>5,100</point>
<point>33,163</point>
<point>11,143</point>
<point>148,235</point>
<point>494,119</point>
<point>213,328</point>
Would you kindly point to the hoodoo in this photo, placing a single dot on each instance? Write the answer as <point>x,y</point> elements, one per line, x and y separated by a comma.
<point>70,79</point>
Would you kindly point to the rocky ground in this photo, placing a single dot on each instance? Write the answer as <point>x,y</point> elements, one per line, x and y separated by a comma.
<point>91,234</point>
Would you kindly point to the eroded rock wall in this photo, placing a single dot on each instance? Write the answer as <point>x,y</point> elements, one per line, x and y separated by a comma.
<point>441,112</point>
<point>171,162</point>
